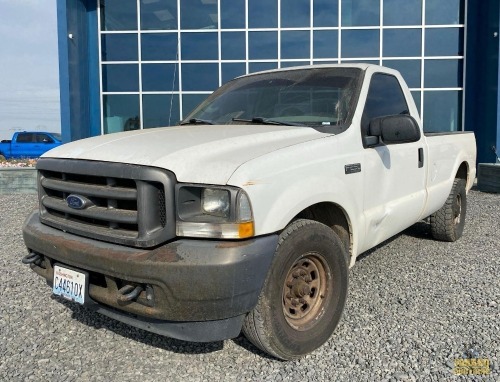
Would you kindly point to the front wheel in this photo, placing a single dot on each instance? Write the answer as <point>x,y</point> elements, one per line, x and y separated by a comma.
<point>447,224</point>
<point>304,294</point>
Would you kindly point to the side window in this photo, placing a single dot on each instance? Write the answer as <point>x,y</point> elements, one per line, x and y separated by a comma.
<point>25,138</point>
<point>44,138</point>
<point>385,97</point>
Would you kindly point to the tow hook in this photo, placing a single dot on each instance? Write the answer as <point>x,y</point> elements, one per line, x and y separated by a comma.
<point>129,293</point>
<point>32,258</point>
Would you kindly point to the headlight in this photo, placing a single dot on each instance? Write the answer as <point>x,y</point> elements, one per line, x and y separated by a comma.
<point>213,212</point>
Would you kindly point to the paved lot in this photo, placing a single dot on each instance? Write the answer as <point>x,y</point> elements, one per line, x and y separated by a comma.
<point>414,306</point>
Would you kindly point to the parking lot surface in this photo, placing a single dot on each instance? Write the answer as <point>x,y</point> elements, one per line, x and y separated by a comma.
<point>415,306</point>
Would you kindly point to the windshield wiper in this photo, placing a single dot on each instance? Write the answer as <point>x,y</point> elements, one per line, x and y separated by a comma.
<point>265,121</point>
<point>196,121</point>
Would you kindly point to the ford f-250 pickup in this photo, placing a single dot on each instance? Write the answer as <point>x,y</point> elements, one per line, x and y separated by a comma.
<point>28,144</point>
<point>247,216</point>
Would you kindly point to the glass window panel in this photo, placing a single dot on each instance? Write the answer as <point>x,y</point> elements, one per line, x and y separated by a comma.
<point>443,73</point>
<point>160,110</point>
<point>233,46</point>
<point>409,69</point>
<point>160,77</point>
<point>371,62</point>
<point>200,77</point>
<point>158,14</point>
<point>325,62</point>
<point>326,13</point>
<point>407,12</point>
<point>263,14</point>
<point>295,13</point>
<point>118,15</point>
<point>288,64</point>
<point>232,14</point>
<point>120,78</point>
<point>442,110</point>
<point>402,42</point>
<point>360,43</point>
<point>416,98</point>
<point>325,44</point>
<point>360,12</point>
<point>295,44</point>
<point>199,46</point>
<point>261,66</point>
<point>263,45</point>
<point>444,42</point>
<point>119,47</point>
<point>196,14</point>
<point>120,112</point>
<point>443,12</point>
<point>232,70</point>
<point>191,101</point>
<point>158,46</point>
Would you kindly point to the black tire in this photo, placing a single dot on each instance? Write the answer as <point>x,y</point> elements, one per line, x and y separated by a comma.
<point>447,224</point>
<point>304,294</point>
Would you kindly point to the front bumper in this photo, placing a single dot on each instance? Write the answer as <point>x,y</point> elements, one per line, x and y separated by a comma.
<point>198,290</point>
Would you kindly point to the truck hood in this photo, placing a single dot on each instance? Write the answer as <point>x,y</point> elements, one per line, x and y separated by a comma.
<point>197,154</point>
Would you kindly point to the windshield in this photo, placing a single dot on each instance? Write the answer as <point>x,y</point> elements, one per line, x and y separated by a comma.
<point>57,136</point>
<point>314,96</point>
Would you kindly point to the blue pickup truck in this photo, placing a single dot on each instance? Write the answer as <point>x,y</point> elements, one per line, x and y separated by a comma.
<point>28,144</point>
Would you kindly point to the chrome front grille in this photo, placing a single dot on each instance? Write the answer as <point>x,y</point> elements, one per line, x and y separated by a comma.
<point>128,204</point>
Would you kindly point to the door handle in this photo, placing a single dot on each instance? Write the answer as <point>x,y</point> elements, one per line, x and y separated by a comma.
<point>420,157</point>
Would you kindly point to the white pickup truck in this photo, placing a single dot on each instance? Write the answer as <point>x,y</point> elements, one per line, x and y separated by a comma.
<point>247,216</point>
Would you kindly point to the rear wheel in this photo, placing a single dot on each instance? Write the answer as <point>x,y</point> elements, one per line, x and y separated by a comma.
<point>447,224</point>
<point>304,294</point>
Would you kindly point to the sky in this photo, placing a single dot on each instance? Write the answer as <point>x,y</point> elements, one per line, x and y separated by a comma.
<point>29,73</point>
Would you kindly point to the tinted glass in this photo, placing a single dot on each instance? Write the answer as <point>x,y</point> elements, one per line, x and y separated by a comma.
<point>44,138</point>
<point>119,47</point>
<point>159,46</point>
<point>289,64</point>
<point>402,42</point>
<point>295,13</point>
<point>295,44</point>
<point>262,45</point>
<point>443,73</point>
<point>160,110</point>
<point>263,14</point>
<point>444,42</point>
<point>407,12</point>
<point>200,77</point>
<point>120,78</point>
<point>160,77</point>
<point>158,14</point>
<point>261,66</point>
<point>326,13</point>
<point>325,44</point>
<point>409,69</point>
<point>360,43</point>
<point>199,46</point>
<point>233,46</point>
<point>416,98</point>
<point>118,15</point>
<point>24,138</point>
<point>232,14</point>
<point>121,113</point>
<point>191,101</point>
<point>442,110</point>
<point>385,97</point>
<point>232,70</point>
<point>360,12</point>
<point>444,12</point>
<point>196,14</point>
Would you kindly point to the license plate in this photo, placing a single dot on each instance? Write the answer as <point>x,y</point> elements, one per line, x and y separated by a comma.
<point>69,284</point>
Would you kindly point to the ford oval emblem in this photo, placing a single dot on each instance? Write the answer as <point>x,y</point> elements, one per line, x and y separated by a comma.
<point>78,202</point>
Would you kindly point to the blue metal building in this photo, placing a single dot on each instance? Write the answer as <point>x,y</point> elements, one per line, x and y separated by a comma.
<point>137,64</point>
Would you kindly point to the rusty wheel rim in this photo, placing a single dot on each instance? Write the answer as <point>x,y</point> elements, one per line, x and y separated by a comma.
<point>305,290</point>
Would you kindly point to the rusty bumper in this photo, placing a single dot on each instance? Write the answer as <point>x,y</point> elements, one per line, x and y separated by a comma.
<point>198,290</point>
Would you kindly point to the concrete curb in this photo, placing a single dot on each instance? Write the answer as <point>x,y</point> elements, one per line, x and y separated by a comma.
<point>18,180</point>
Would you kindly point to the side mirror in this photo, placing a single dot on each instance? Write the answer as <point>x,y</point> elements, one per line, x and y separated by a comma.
<point>394,129</point>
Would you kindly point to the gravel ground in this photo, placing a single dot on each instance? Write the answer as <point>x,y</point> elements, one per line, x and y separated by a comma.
<point>414,306</point>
